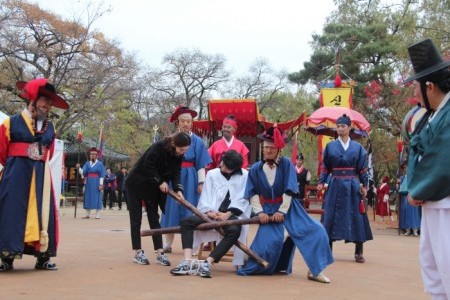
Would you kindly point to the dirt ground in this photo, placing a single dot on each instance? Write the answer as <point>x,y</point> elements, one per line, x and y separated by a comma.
<point>95,262</point>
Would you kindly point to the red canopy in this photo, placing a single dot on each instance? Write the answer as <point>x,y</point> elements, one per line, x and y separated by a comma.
<point>327,116</point>
<point>245,110</point>
<point>247,115</point>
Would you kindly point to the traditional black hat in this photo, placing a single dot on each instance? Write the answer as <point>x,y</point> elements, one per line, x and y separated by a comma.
<point>274,135</point>
<point>344,119</point>
<point>425,59</point>
<point>300,157</point>
<point>232,160</point>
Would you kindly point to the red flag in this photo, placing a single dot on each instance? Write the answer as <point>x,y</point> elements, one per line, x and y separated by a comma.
<point>294,150</point>
<point>80,135</point>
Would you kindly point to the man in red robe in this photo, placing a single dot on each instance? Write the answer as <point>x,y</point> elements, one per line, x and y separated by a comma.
<point>228,142</point>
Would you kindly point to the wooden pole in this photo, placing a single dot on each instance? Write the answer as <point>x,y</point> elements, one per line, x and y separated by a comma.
<point>198,213</point>
<point>204,226</point>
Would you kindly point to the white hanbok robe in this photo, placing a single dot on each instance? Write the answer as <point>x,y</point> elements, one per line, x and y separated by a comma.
<point>215,189</point>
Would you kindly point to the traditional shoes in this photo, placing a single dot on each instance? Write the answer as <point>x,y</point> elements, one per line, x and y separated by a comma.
<point>5,266</point>
<point>40,265</point>
<point>359,258</point>
<point>46,265</point>
<point>319,278</point>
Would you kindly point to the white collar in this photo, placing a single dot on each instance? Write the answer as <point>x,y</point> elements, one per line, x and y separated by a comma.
<point>345,145</point>
<point>441,105</point>
<point>229,142</point>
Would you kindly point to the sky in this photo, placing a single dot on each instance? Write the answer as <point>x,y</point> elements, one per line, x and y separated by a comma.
<point>242,30</point>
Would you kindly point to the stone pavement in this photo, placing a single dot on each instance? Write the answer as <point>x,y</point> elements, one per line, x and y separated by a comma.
<point>95,262</point>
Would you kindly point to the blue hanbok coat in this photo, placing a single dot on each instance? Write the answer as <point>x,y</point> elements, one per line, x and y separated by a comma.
<point>348,169</point>
<point>199,156</point>
<point>21,191</point>
<point>92,195</point>
<point>305,233</point>
<point>409,215</point>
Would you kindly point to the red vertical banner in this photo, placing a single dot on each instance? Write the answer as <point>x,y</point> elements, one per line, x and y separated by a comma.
<point>294,150</point>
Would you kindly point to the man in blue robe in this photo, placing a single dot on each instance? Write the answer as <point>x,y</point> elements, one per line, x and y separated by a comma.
<point>345,166</point>
<point>192,173</point>
<point>28,209</point>
<point>270,186</point>
<point>94,172</point>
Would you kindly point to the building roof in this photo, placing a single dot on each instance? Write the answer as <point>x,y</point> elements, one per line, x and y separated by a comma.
<point>73,148</point>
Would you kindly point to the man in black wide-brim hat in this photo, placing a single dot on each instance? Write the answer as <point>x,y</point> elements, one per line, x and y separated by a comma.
<point>28,216</point>
<point>428,171</point>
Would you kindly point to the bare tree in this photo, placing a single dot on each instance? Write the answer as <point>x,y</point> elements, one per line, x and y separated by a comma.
<point>188,78</point>
<point>262,83</point>
<point>84,66</point>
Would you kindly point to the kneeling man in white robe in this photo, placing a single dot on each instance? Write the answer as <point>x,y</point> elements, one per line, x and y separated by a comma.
<point>222,199</point>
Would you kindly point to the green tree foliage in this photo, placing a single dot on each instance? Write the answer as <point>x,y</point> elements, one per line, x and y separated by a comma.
<point>367,41</point>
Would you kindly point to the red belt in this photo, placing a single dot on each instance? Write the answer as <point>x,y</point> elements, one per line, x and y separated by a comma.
<point>263,200</point>
<point>92,175</point>
<point>30,150</point>
<point>187,164</point>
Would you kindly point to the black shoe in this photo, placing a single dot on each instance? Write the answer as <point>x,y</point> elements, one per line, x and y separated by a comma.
<point>6,266</point>
<point>46,265</point>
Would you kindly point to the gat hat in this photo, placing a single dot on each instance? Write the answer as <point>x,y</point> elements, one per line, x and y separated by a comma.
<point>181,110</point>
<point>274,135</point>
<point>425,59</point>
<point>32,89</point>
<point>232,160</point>
<point>300,157</point>
<point>344,119</point>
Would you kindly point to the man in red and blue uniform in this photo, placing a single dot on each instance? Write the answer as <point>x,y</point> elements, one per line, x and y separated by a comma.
<point>28,211</point>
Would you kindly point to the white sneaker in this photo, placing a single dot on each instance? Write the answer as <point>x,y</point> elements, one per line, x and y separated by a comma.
<point>186,267</point>
<point>163,260</point>
<point>140,258</point>
<point>204,269</point>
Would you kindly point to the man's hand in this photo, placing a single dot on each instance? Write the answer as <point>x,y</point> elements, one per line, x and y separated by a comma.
<point>414,202</point>
<point>278,217</point>
<point>263,218</point>
<point>364,192</point>
<point>220,216</point>
<point>200,188</point>
<point>320,186</point>
<point>100,187</point>
<point>164,187</point>
<point>211,215</point>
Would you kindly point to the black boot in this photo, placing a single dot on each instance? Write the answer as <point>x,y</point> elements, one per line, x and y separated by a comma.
<point>359,258</point>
